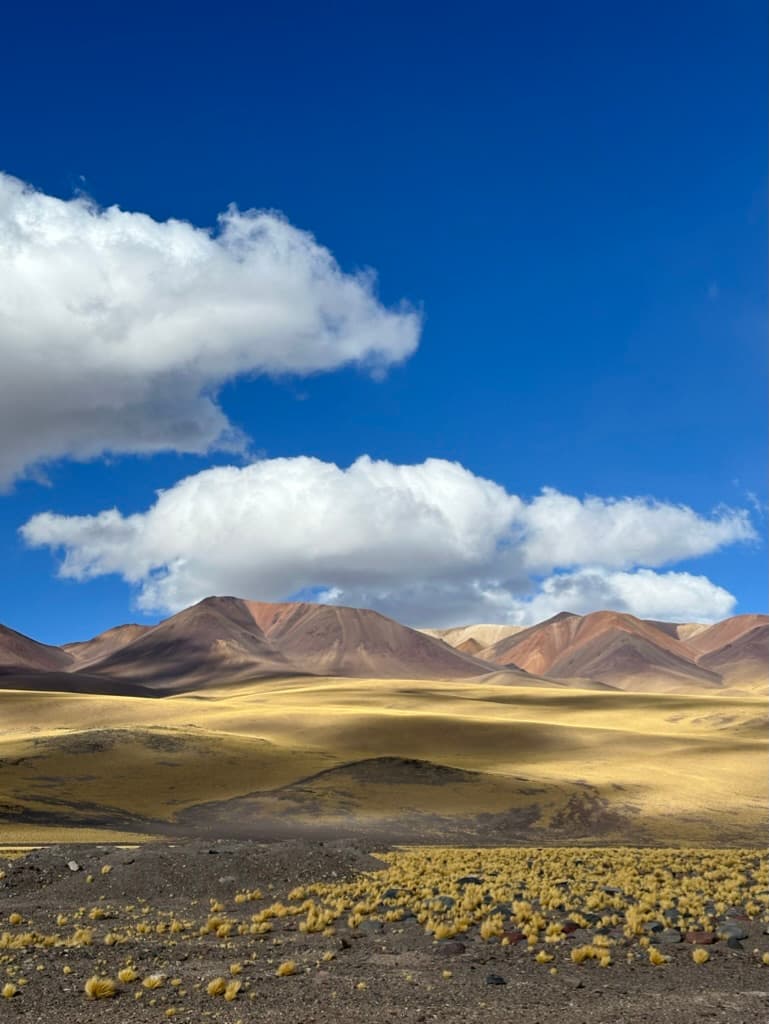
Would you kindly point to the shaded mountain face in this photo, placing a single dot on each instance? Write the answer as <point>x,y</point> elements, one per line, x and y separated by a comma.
<point>743,661</point>
<point>227,640</point>
<point>87,651</point>
<point>19,653</point>
<point>214,641</point>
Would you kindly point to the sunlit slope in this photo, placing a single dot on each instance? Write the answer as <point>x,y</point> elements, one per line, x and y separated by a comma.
<point>426,757</point>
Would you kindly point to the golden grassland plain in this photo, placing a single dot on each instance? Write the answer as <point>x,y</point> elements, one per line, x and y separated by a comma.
<point>563,910</point>
<point>683,768</point>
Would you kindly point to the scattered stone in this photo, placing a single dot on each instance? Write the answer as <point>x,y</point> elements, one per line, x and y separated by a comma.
<point>469,880</point>
<point>450,947</point>
<point>669,936</point>
<point>369,927</point>
<point>227,879</point>
<point>73,865</point>
<point>513,937</point>
<point>732,930</point>
<point>733,943</point>
<point>701,938</point>
<point>495,979</point>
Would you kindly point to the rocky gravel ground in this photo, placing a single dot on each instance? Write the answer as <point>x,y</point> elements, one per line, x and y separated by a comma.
<point>307,932</point>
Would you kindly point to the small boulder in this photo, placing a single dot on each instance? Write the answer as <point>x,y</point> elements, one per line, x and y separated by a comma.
<point>450,947</point>
<point>732,930</point>
<point>370,927</point>
<point>73,865</point>
<point>495,979</point>
<point>701,938</point>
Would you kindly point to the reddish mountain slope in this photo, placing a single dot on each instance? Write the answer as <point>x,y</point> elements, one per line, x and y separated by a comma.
<point>611,647</point>
<point>225,639</point>
<point>744,661</point>
<point>721,634</point>
<point>331,640</point>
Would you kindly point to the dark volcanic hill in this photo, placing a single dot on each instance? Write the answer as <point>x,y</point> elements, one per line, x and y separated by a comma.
<point>19,653</point>
<point>85,652</point>
<point>214,641</point>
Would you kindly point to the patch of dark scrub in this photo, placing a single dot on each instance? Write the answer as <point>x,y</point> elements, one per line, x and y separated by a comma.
<point>516,823</point>
<point>590,813</point>
<point>95,741</point>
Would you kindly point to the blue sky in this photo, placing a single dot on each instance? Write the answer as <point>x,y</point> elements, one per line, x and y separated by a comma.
<point>571,197</point>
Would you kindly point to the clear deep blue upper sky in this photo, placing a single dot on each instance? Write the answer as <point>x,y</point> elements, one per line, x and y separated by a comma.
<point>573,194</point>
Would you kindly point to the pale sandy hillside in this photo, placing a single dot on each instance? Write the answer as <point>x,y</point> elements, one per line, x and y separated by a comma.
<point>475,638</point>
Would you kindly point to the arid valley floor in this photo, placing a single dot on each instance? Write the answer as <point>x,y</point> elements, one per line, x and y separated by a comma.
<point>559,808</point>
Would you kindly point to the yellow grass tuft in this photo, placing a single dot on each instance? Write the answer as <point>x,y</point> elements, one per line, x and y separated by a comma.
<point>286,968</point>
<point>700,956</point>
<point>217,987</point>
<point>127,974</point>
<point>153,981</point>
<point>8,990</point>
<point>657,958</point>
<point>231,991</point>
<point>100,988</point>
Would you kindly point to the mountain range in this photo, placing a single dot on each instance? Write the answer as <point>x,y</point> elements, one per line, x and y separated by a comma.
<point>224,640</point>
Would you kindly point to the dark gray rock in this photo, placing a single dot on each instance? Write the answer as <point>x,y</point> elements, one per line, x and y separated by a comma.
<point>732,930</point>
<point>450,947</point>
<point>370,927</point>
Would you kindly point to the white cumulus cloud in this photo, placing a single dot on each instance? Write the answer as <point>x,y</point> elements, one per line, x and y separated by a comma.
<point>116,330</point>
<point>431,544</point>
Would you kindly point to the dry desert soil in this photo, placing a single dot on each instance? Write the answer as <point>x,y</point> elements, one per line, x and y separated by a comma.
<point>188,913</point>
